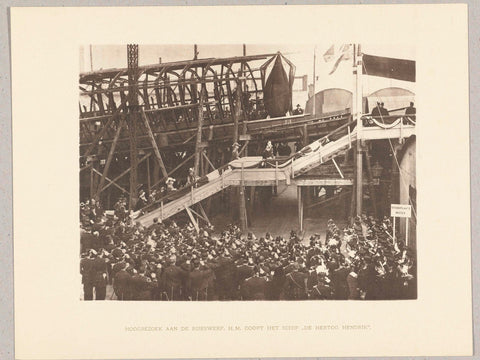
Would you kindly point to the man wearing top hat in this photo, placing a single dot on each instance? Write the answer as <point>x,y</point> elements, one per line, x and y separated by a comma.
<point>298,110</point>
<point>88,275</point>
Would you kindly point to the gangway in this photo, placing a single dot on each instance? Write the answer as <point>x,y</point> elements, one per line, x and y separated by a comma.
<point>247,171</point>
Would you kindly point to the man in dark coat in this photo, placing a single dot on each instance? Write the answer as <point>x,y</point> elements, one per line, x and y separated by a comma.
<point>198,282</point>
<point>276,283</point>
<point>298,110</point>
<point>122,283</point>
<point>323,290</point>
<point>245,269</point>
<point>100,277</point>
<point>86,269</point>
<point>225,277</point>
<point>295,287</point>
<point>339,281</point>
<point>141,286</point>
<point>376,110</point>
<point>173,280</point>
<point>255,287</point>
<point>411,111</point>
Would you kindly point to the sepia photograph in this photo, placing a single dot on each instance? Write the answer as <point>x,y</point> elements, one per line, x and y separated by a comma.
<point>247,172</point>
<point>243,185</point>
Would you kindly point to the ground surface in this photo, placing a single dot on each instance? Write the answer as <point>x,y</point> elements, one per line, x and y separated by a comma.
<point>282,217</point>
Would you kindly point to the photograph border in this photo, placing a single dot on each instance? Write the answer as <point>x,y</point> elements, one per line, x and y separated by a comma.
<point>6,247</point>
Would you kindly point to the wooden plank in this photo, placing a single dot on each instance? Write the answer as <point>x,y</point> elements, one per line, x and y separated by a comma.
<point>200,216</point>
<point>329,182</point>
<point>322,182</point>
<point>237,182</point>
<point>192,219</point>
<point>338,169</point>
<point>300,207</point>
<point>154,144</point>
<point>202,210</point>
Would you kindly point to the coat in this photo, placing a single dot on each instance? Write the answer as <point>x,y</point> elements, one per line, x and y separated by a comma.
<point>254,288</point>
<point>122,283</point>
<point>141,287</point>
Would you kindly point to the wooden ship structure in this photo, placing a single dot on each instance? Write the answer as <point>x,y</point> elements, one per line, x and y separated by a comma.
<point>142,125</point>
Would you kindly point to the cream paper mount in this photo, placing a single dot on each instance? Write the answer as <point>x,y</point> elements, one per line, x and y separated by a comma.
<point>50,321</point>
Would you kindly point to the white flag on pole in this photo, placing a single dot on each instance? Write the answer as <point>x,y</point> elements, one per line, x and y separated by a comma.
<point>338,54</point>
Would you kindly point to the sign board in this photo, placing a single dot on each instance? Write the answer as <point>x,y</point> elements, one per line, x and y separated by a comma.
<point>245,137</point>
<point>399,210</point>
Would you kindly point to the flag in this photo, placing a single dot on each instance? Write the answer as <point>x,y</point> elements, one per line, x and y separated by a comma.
<point>329,55</point>
<point>342,53</point>
<point>399,69</point>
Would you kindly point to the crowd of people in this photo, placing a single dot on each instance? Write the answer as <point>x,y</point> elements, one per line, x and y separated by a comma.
<point>175,262</point>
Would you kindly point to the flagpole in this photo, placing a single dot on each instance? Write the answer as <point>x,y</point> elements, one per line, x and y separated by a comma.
<point>357,99</point>
<point>314,78</point>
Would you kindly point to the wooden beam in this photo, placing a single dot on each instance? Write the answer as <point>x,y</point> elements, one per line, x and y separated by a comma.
<point>241,203</point>
<point>373,197</point>
<point>148,177</point>
<point>208,160</point>
<point>173,170</point>
<point>204,218</point>
<point>351,212</point>
<point>330,182</point>
<point>85,167</point>
<point>91,181</point>
<point>154,144</point>
<point>300,207</point>
<point>338,169</point>
<point>198,149</point>
<point>305,135</point>
<point>237,112</point>
<point>243,148</point>
<point>286,122</point>
<point>111,181</point>
<point>192,219</point>
<point>202,210</point>
<point>104,129</point>
<point>109,160</point>
<point>125,172</point>
<point>359,179</point>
